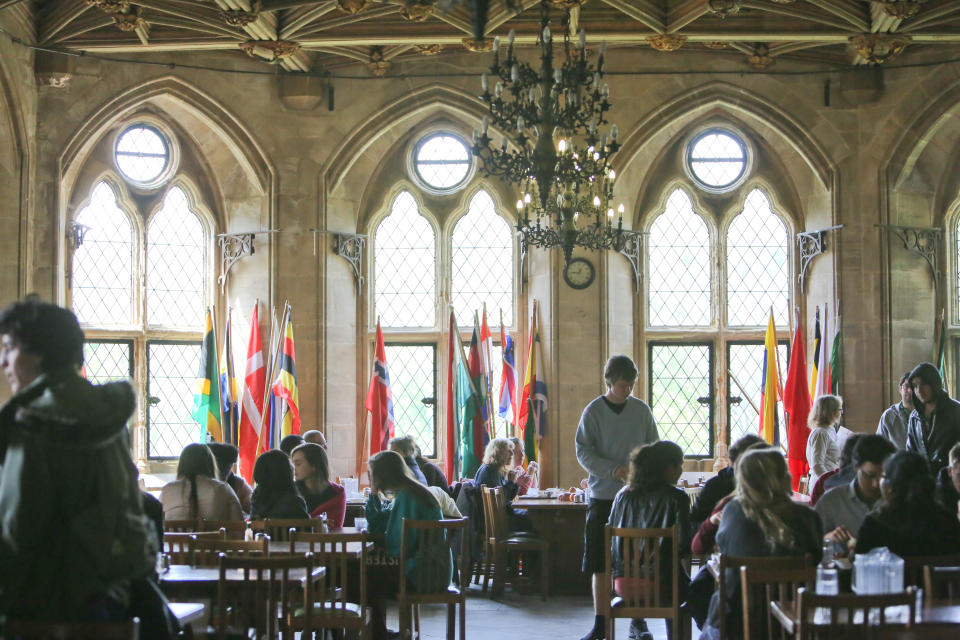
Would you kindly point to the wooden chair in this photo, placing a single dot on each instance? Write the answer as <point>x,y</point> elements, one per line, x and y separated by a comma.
<point>334,610</point>
<point>941,585</point>
<point>736,563</point>
<point>206,553</point>
<point>266,598</point>
<point>177,545</point>
<point>430,582</point>
<point>234,528</point>
<point>655,587</point>
<point>279,528</point>
<point>759,585</point>
<point>38,630</point>
<point>913,566</point>
<point>500,543</point>
<point>182,526</point>
<point>851,616</point>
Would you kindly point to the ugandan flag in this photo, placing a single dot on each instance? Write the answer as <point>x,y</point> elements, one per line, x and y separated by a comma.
<point>206,390</point>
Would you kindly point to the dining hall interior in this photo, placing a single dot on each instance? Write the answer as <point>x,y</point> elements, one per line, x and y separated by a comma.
<point>376,168</point>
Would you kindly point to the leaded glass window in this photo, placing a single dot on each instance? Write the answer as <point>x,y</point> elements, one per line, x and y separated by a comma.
<point>758,265</point>
<point>482,263</point>
<point>681,396</point>
<point>413,371</point>
<point>442,161</point>
<point>175,264</point>
<point>679,266</point>
<point>744,382</point>
<point>405,267</point>
<point>102,279</point>
<point>142,154</point>
<point>108,361</point>
<point>717,159</point>
<point>172,373</point>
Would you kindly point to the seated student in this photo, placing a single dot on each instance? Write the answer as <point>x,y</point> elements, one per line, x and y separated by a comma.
<point>447,504</point>
<point>908,520</point>
<point>721,485</point>
<point>822,452</point>
<point>226,456</point>
<point>840,476</point>
<point>315,436</point>
<point>290,442</point>
<point>432,473</point>
<point>761,520</point>
<point>196,493</point>
<point>526,478</point>
<point>496,472</point>
<point>389,472</point>
<point>948,482</point>
<point>275,495</point>
<point>407,448</point>
<point>843,509</point>
<point>312,473</point>
<point>652,501</point>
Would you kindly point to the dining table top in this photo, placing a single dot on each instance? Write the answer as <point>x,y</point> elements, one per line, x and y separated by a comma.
<point>929,614</point>
<point>188,575</point>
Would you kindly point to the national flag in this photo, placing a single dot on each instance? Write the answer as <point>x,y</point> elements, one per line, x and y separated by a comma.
<point>206,391</point>
<point>268,432</point>
<point>940,344</point>
<point>379,399</point>
<point>823,360</point>
<point>486,360</point>
<point>796,403</point>
<point>836,360</point>
<point>255,379</point>
<point>531,423</point>
<point>285,388</point>
<point>508,379</point>
<point>451,461</point>
<point>472,432</point>
<point>769,424</point>
<point>228,387</point>
<point>817,340</point>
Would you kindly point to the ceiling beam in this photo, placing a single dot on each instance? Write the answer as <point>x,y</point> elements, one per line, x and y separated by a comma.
<point>930,15</point>
<point>505,14</point>
<point>81,26</point>
<point>348,20</point>
<point>796,12</point>
<point>681,16</point>
<point>857,16</point>
<point>642,12</point>
<point>304,17</point>
<point>63,14</point>
<point>8,3</point>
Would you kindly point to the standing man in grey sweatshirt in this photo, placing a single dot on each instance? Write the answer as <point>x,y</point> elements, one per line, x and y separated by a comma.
<point>610,428</point>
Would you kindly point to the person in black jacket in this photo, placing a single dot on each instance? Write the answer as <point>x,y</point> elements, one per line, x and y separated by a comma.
<point>434,474</point>
<point>721,485</point>
<point>935,421</point>
<point>276,493</point>
<point>651,500</point>
<point>948,482</point>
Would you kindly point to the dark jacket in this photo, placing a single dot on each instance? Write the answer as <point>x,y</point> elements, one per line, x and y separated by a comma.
<point>72,525</point>
<point>415,469</point>
<point>434,474</point>
<point>657,508</point>
<point>716,489</point>
<point>928,532</point>
<point>489,476</point>
<point>946,493</point>
<point>933,439</point>
<point>277,504</point>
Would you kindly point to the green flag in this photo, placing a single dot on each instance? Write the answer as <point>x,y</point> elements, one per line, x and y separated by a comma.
<point>206,390</point>
<point>470,394</point>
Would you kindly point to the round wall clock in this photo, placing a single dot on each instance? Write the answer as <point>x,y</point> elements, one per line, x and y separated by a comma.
<point>579,273</point>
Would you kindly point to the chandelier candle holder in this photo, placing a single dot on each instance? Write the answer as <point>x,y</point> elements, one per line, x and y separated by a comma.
<point>557,144</point>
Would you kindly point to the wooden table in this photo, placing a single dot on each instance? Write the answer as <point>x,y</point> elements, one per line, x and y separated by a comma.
<point>184,582</point>
<point>188,613</point>
<point>936,615</point>
<point>561,524</point>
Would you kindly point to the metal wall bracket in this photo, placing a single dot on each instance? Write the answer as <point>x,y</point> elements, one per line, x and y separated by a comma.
<point>76,232</point>
<point>811,245</point>
<point>924,241</point>
<point>234,247</point>
<point>348,246</point>
<point>633,252</point>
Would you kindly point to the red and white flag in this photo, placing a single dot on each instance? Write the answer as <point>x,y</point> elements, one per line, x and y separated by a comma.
<point>379,399</point>
<point>251,418</point>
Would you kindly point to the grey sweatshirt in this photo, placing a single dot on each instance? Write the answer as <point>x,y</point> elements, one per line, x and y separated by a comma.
<point>605,439</point>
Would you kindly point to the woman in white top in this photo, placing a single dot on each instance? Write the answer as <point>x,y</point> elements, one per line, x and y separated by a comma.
<point>823,454</point>
<point>196,493</point>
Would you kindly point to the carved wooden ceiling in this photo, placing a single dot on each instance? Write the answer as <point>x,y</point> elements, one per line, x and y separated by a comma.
<point>305,35</point>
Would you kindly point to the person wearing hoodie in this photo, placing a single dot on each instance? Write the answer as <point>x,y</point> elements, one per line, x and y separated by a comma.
<point>75,544</point>
<point>934,425</point>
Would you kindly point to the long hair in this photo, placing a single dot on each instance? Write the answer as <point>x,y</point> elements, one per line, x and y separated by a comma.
<point>911,489</point>
<point>196,460</point>
<point>649,464</point>
<point>498,454</point>
<point>825,412</point>
<point>389,471</point>
<point>317,458</point>
<point>273,473</point>
<point>763,489</point>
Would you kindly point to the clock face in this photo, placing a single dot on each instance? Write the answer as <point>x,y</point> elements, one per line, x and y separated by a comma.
<point>579,273</point>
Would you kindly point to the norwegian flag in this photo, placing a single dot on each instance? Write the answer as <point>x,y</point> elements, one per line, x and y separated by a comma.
<point>252,405</point>
<point>380,400</point>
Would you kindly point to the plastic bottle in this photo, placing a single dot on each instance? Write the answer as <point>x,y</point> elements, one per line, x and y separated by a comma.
<point>248,533</point>
<point>827,576</point>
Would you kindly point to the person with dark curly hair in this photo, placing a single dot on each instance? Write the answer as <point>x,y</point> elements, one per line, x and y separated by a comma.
<point>908,520</point>
<point>935,421</point>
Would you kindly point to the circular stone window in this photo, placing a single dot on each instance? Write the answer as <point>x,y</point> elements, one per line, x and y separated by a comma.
<point>442,162</point>
<point>717,159</point>
<point>142,154</point>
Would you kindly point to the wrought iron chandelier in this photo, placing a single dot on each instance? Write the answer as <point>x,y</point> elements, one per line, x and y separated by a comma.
<point>554,146</point>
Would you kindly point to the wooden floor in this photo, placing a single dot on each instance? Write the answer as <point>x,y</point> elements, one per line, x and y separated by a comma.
<point>523,617</point>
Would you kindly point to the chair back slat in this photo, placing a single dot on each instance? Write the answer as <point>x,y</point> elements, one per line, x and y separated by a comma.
<point>235,529</point>
<point>649,571</point>
<point>183,526</point>
<point>433,553</point>
<point>330,550</point>
<point>736,563</point>
<point>279,528</point>
<point>40,630</point>
<point>941,585</point>
<point>206,553</point>
<point>177,545</point>
<point>913,566</point>
<point>760,585</point>
<point>851,616</point>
